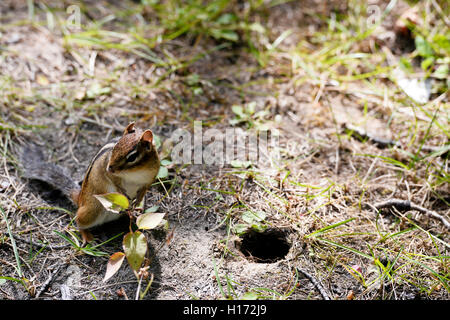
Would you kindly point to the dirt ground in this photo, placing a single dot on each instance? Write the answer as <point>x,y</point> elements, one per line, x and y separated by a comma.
<point>46,84</point>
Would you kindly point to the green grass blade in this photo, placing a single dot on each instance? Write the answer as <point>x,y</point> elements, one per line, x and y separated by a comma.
<point>362,254</point>
<point>13,243</point>
<point>327,228</point>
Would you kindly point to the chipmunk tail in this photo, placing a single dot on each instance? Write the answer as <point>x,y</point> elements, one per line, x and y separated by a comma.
<point>34,166</point>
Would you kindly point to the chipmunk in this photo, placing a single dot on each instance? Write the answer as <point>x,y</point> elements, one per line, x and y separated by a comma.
<point>128,166</point>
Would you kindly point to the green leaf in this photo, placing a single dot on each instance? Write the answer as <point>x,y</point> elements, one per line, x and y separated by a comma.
<point>193,79</point>
<point>225,34</point>
<point>423,47</point>
<point>238,110</point>
<point>166,162</point>
<point>156,141</point>
<point>240,164</point>
<point>114,202</point>
<point>96,90</point>
<point>427,63</point>
<point>198,91</point>
<point>149,220</point>
<point>251,107</point>
<point>240,228</point>
<point>254,219</point>
<point>162,173</point>
<point>135,247</point>
<point>257,27</point>
<point>442,41</point>
<point>251,217</point>
<point>234,121</point>
<point>259,227</point>
<point>152,209</point>
<point>261,114</point>
<point>226,18</point>
<point>405,64</point>
<point>114,264</point>
<point>441,72</point>
<point>249,296</point>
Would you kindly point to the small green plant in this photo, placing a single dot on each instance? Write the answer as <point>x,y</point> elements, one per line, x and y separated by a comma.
<point>248,116</point>
<point>163,172</point>
<point>21,278</point>
<point>135,248</point>
<point>252,220</point>
<point>193,16</point>
<point>194,82</point>
<point>432,59</point>
<point>77,244</point>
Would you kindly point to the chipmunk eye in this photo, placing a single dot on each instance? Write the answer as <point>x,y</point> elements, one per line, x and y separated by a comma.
<point>131,157</point>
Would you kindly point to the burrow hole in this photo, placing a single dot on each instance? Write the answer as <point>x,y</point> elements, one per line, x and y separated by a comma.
<point>265,247</point>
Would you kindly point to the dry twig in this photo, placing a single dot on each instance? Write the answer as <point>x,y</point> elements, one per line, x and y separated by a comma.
<point>386,143</point>
<point>41,244</point>
<point>316,283</point>
<point>406,205</point>
<point>49,280</point>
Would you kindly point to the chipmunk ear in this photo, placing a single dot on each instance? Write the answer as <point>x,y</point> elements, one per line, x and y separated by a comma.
<point>129,128</point>
<point>147,137</point>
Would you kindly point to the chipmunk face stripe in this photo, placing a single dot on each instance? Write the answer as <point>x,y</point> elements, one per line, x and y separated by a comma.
<point>131,156</point>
